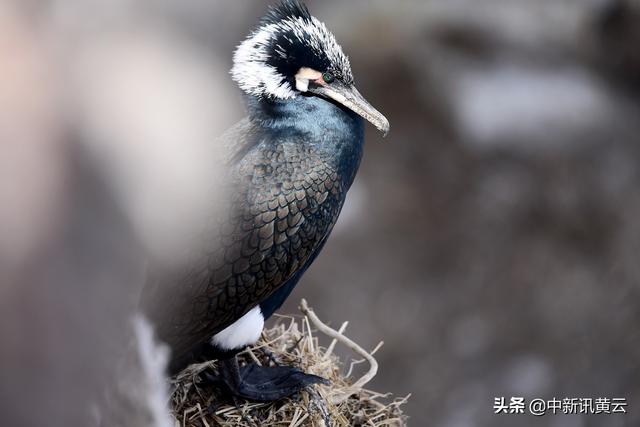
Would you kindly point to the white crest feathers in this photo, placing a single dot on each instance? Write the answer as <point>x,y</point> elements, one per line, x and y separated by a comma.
<point>256,77</point>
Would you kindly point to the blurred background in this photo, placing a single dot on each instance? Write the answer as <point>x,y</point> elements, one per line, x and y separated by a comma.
<point>490,240</point>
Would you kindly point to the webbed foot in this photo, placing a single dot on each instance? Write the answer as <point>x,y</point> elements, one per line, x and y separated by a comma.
<point>265,383</point>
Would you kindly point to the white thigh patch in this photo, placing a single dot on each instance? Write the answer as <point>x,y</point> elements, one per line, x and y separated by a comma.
<point>244,331</point>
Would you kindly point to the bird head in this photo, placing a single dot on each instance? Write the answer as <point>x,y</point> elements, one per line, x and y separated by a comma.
<point>290,54</point>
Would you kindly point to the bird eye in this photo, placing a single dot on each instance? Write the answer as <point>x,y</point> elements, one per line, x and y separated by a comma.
<point>328,77</point>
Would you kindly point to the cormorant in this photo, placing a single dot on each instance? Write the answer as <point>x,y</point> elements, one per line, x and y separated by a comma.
<point>291,163</point>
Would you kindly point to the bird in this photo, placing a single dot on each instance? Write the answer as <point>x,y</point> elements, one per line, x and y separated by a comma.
<point>290,164</point>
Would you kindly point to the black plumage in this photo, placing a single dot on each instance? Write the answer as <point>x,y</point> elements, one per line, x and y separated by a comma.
<point>290,165</point>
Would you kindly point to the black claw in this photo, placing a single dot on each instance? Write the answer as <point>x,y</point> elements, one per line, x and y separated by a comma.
<point>266,383</point>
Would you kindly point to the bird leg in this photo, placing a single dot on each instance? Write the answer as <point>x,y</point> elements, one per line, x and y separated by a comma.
<point>265,383</point>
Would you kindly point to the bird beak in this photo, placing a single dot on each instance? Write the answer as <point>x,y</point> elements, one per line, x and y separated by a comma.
<point>351,98</point>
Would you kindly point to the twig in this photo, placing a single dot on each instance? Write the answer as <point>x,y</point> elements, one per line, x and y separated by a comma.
<point>253,356</point>
<point>334,341</point>
<point>359,361</point>
<point>318,403</point>
<point>376,348</point>
<point>373,364</point>
<point>352,365</point>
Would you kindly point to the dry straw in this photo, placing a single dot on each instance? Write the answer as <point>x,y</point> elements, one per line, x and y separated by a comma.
<point>292,341</point>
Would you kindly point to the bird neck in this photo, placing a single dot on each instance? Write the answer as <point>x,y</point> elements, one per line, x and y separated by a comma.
<point>332,129</point>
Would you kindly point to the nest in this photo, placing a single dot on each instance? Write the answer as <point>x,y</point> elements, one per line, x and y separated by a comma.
<point>292,341</point>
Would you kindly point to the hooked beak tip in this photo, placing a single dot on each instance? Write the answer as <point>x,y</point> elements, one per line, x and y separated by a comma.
<point>384,127</point>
